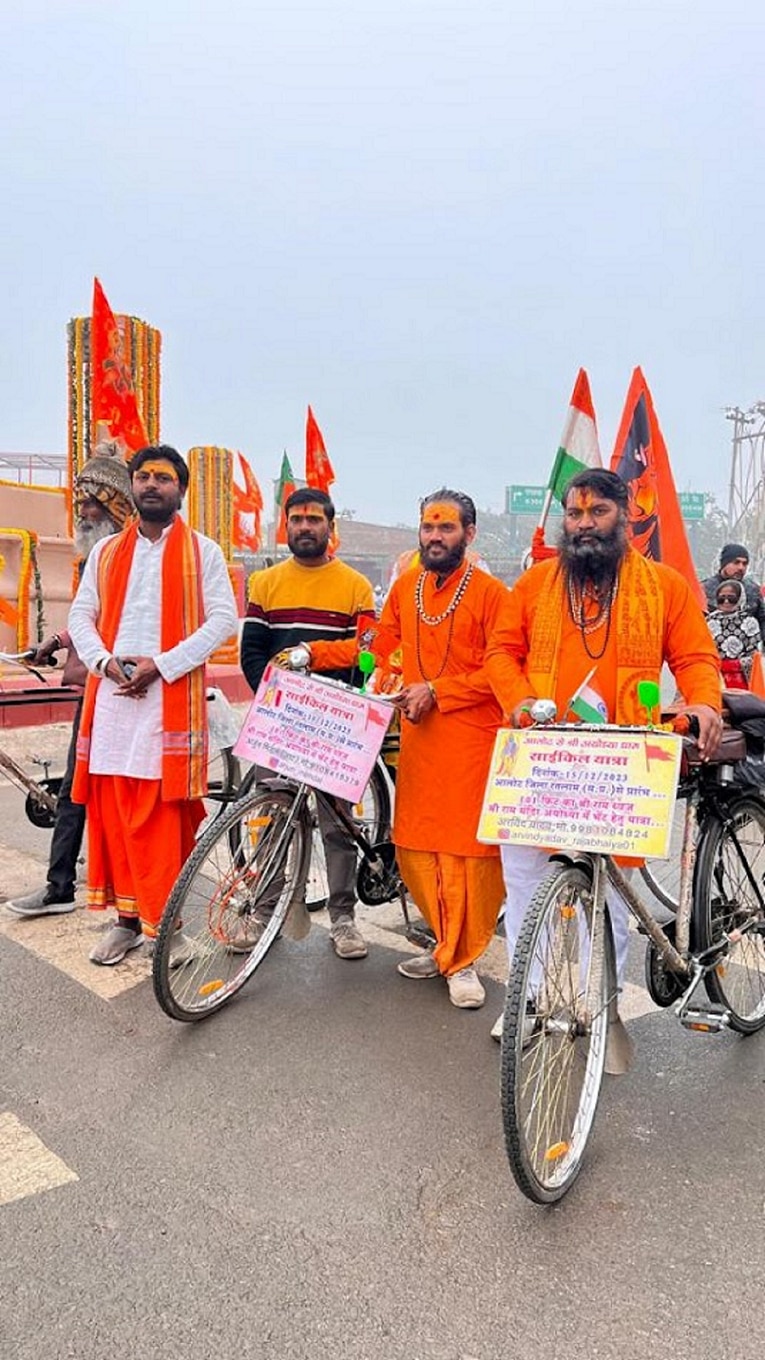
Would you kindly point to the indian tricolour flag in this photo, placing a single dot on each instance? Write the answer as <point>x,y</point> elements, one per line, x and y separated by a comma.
<point>579,447</point>
<point>588,705</point>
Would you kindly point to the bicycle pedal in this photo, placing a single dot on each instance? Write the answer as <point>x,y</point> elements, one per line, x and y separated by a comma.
<point>709,1019</point>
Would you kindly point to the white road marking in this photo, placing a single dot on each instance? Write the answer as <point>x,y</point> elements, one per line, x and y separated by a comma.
<point>65,942</point>
<point>27,1167</point>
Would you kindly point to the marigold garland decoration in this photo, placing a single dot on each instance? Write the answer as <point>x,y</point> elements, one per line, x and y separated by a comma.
<point>209,501</point>
<point>18,614</point>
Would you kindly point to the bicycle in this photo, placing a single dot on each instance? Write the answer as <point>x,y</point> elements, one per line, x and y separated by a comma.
<point>41,794</point>
<point>561,1015</point>
<point>251,866</point>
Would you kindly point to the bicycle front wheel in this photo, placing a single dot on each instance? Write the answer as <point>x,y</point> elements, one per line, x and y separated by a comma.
<point>230,902</point>
<point>552,1053</point>
<point>728,905</point>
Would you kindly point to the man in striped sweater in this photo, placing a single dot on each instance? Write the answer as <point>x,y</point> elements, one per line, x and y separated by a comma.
<point>314,601</point>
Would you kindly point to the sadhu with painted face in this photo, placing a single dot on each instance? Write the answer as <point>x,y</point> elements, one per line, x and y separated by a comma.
<point>443,611</point>
<point>600,611</point>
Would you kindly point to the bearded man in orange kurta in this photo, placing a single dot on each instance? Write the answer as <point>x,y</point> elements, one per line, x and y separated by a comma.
<point>598,613</point>
<point>443,611</point>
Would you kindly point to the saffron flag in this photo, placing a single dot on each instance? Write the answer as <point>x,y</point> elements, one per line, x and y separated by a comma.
<point>284,488</point>
<point>319,471</point>
<point>112,398</point>
<point>247,509</point>
<point>641,460</point>
<point>579,447</point>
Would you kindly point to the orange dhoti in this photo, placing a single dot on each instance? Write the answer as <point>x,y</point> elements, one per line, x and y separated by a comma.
<point>137,845</point>
<point>459,896</point>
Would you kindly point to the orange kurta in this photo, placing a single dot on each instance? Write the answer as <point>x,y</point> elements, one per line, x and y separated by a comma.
<point>685,645</point>
<point>444,759</point>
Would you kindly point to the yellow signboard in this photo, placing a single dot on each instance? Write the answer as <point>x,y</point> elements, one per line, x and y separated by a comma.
<point>609,790</point>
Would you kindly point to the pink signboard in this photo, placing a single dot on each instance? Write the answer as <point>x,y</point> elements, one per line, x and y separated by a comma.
<point>314,732</point>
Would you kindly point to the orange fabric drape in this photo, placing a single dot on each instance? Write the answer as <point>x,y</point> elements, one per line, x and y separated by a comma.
<point>135,870</point>
<point>460,897</point>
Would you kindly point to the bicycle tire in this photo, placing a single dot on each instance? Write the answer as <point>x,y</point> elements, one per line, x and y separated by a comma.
<point>372,815</point>
<point>252,858</point>
<point>725,905</point>
<point>552,1064</point>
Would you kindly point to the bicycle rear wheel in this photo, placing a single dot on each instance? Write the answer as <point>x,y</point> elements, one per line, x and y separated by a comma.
<point>372,816</point>
<point>224,777</point>
<point>726,905</point>
<point>230,902</point>
<point>552,1055</point>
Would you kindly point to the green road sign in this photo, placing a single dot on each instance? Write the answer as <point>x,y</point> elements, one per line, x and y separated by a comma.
<point>528,500</point>
<point>692,504</point>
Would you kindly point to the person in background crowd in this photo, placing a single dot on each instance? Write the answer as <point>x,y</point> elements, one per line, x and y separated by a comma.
<point>735,632</point>
<point>103,504</point>
<point>734,560</point>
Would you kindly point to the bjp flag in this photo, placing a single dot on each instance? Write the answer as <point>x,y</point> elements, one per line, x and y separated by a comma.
<point>112,398</point>
<point>640,458</point>
<point>283,489</point>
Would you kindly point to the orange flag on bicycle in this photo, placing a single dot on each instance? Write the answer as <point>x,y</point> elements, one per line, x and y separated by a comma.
<point>640,458</point>
<point>112,397</point>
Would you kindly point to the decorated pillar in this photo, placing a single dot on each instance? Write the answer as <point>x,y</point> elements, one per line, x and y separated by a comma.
<point>141,346</point>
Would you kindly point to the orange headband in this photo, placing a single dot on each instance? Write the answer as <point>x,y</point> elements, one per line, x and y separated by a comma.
<point>160,465</point>
<point>436,512</point>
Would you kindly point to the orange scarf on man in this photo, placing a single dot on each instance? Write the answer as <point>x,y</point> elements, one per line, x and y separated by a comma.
<point>184,710</point>
<point>638,635</point>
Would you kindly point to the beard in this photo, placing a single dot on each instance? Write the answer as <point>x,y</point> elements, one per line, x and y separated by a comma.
<point>596,560</point>
<point>307,549</point>
<point>443,564</point>
<point>88,533</point>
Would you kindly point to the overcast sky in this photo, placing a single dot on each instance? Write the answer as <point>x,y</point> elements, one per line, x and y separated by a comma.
<point>420,217</point>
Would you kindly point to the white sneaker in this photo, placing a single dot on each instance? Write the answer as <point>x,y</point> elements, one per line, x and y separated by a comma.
<point>465,989</point>
<point>497,1027</point>
<point>530,1026</point>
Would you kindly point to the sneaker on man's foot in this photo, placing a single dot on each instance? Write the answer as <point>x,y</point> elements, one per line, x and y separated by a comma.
<point>245,934</point>
<point>115,944</point>
<point>348,941</point>
<point>183,949</point>
<point>419,966</point>
<point>465,989</point>
<point>43,902</point>
<point>531,1025</point>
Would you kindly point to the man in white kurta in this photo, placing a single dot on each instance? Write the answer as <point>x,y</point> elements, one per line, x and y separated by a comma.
<point>146,618</point>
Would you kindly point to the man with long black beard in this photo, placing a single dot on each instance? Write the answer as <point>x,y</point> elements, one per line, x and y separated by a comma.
<point>603,617</point>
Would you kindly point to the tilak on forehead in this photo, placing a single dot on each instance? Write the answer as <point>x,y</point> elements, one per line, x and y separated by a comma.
<point>156,466</point>
<point>440,512</point>
<point>581,498</point>
<point>308,508</point>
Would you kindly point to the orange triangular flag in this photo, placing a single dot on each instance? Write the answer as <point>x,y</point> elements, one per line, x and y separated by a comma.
<point>112,398</point>
<point>641,460</point>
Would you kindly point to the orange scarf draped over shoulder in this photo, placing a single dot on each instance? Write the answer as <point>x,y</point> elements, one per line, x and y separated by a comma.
<point>637,636</point>
<point>184,712</point>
